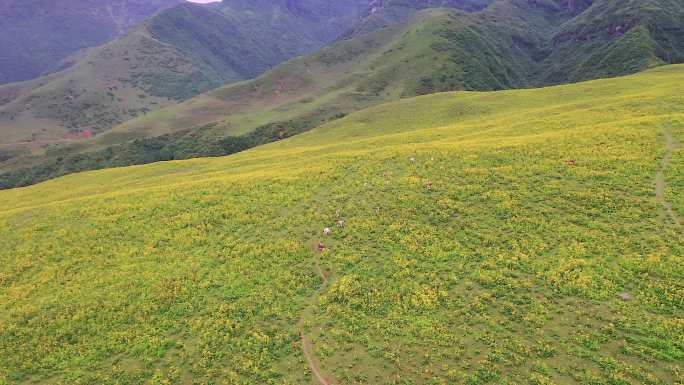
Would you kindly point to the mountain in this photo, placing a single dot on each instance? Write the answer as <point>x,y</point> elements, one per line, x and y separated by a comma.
<point>615,37</point>
<point>383,13</point>
<point>515,237</point>
<point>178,53</point>
<point>36,35</point>
<point>174,55</point>
<point>507,44</point>
<point>439,50</point>
<point>432,53</point>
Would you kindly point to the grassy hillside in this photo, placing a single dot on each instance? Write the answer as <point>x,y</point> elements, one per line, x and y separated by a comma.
<point>179,53</point>
<point>35,36</point>
<point>510,44</point>
<point>384,13</point>
<point>440,50</point>
<point>515,237</point>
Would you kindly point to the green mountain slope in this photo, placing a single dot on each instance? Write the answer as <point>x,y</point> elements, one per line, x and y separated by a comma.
<point>515,237</point>
<point>36,35</point>
<point>616,37</point>
<point>511,44</point>
<point>178,53</point>
<point>384,13</point>
<point>441,50</point>
<point>508,44</point>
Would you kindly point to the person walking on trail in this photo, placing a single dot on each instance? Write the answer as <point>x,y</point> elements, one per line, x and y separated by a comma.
<point>321,247</point>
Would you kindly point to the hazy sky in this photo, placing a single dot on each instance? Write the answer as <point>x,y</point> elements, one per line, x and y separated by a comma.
<point>203,1</point>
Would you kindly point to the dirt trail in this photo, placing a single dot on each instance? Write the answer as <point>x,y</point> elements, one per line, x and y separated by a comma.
<point>307,347</point>
<point>661,185</point>
<point>317,200</point>
<point>308,313</point>
<point>308,352</point>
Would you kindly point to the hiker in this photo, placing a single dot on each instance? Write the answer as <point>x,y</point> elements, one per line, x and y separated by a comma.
<point>338,215</point>
<point>327,231</point>
<point>625,296</point>
<point>429,184</point>
<point>321,247</point>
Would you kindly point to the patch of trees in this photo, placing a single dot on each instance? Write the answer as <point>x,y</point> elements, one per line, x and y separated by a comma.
<point>181,145</point>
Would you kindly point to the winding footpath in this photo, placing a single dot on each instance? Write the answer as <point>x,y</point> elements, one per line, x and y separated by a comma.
<point>307,347</point>
<point>671,146</point>
<point>308,312</point>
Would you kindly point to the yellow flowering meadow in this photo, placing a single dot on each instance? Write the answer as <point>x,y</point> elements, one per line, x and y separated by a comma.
<point>514,237</point>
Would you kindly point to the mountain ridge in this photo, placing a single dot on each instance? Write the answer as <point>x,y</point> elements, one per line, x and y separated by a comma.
<point>176,54</point>
<point>37,35</point>
<point>508,44</point>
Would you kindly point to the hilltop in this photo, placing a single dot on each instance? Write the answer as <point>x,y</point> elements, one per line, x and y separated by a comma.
<point>384,13</point>
<point>512,237</point>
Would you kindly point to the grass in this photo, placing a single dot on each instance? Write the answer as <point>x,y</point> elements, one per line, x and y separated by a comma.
<point>508,271</point>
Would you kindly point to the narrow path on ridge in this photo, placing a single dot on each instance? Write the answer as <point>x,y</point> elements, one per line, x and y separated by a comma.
<point>671,146</point>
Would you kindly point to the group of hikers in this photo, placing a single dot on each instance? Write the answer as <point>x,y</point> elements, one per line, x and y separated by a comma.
<point>338,216</point>
<point>340,223</point>
<point>428,185</point>
<point>328,231</point>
